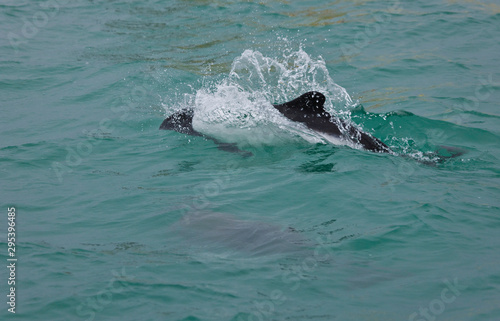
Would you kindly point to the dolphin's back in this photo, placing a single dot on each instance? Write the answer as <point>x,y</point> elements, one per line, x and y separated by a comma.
<point>308,109</point>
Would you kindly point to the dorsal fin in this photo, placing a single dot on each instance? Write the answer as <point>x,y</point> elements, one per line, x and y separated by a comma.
<point>181,121</point>
<point>312,101</point>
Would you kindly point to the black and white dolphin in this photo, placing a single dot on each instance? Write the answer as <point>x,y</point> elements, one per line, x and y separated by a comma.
<point>307,109</point>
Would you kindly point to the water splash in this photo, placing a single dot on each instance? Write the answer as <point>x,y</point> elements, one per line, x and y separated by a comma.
<point>285,78</point>
<point>239,109</point>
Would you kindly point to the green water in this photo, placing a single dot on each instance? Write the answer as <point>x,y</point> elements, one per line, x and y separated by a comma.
<point>117,220</point>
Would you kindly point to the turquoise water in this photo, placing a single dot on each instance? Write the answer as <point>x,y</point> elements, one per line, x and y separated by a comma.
<point>117,220</point>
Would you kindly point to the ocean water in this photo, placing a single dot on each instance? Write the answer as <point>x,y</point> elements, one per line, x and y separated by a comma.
<point>117,220</point>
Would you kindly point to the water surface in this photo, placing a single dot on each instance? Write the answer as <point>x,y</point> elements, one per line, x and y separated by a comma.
<point>120,221</point>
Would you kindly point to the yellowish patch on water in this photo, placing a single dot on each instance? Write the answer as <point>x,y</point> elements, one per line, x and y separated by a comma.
<point>381,97</point>
<point>492,8</point>
<point>200,46</point>
<point>201,67</point>
<point>222,3</point>
<point>319,16</point>
<point>280,1</point>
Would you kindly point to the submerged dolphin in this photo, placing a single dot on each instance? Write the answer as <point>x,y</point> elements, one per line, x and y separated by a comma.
<point>225,233</point>
<point>307,109</point>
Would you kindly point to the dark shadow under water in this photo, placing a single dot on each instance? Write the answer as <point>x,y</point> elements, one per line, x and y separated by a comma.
<point>226,234</point>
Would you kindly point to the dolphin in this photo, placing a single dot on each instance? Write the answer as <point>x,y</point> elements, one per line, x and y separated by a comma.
<point>226,233</point>
<point>307,109</point>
